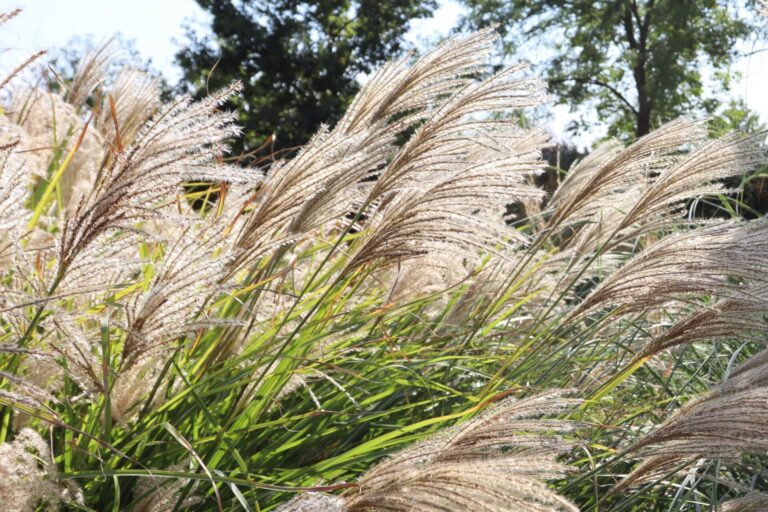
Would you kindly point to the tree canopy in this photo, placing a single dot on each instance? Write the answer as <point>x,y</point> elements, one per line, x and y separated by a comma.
<point>299,60</point>
<point>639,63</point>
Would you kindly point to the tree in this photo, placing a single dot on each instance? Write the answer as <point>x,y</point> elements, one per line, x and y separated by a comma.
<point>299,61</point>
<point>640,63</point>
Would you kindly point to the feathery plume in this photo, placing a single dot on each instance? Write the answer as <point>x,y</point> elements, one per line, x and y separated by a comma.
<point>742,316</point>
<point>14,175</point>
<point>457,214</point>
<point>90,72</point>
<point>697,174</point>
<point>444,189</point>
<point>53,127</point>
<point>720,425</point>
<point>683,265</point>
<point>724,423</point>
<point>589,187</point>
<point>179,144</point>
<point>7,16</point>
<point>314,502</point>
<point>398,88</point>
<point>28,475</point>
<point>493,462</point>
<point>332,175</point>
<point>752,502</point>
<point>136,96</point>
<point>187,276</point>
<point>21,67</point>
<point>161,495</point>
<point>445,138</point>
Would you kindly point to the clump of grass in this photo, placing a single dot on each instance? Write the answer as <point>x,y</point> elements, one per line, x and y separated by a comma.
<point>367,298</point>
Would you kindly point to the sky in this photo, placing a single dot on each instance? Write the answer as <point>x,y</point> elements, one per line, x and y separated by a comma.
<point>51,24</point>
<point>156,26</point>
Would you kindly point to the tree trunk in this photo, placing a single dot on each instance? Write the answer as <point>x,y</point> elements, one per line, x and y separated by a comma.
<point>639,43</point>
<point>643,116</point>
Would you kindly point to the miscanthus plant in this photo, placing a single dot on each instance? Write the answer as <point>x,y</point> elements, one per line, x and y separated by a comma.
<point>360,327</point>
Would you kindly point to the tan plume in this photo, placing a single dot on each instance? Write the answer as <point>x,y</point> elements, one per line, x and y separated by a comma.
<point>496,461</point>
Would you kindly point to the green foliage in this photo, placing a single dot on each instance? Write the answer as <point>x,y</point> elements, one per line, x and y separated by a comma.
<point>637,63</point>
<point>299,61</point>
<point>735,116</point>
